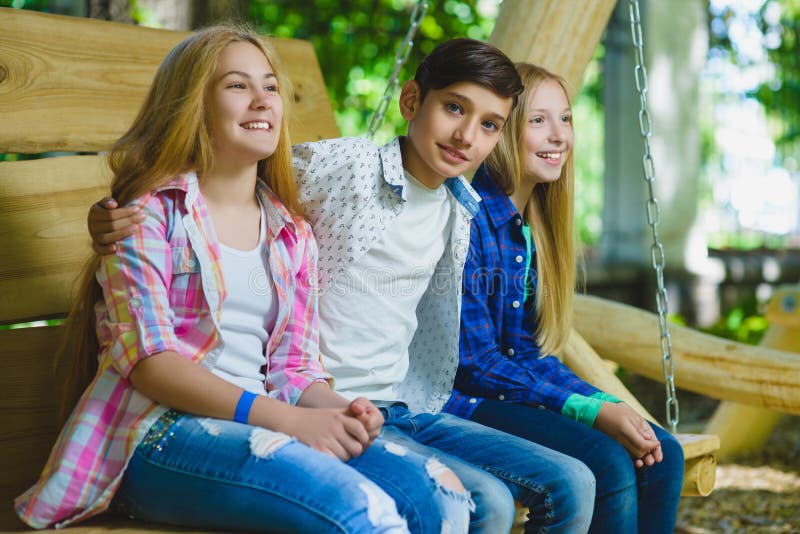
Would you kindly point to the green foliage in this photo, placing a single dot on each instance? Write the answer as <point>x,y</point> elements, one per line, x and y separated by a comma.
<point>36,5</point>
<point>589,121</point>
<point>778,22</point>
<point>744,323</point>
<point>747,241</point>
<point>33,324</point>
<point>781,95</point>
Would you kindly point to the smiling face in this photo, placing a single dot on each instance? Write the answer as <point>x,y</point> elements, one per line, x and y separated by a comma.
<point>548,133</point>
<point>244,105</point>
<point>452,130</point>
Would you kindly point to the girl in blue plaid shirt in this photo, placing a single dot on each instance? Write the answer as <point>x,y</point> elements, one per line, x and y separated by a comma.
<point>519,280</point>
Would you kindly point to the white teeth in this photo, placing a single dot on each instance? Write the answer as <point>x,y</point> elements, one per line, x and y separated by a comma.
<point>256,126</point>
<point>549,155</point>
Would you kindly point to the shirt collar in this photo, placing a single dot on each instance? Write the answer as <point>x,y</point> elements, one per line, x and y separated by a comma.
<point>498,204</point>
<point>394,175</point>
<point>278,217</point>
<point>392,161</point>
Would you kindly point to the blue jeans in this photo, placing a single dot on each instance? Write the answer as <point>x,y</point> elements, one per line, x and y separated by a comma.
<point>224,475</point>
<point>628,500</point>
<point>497,468</point>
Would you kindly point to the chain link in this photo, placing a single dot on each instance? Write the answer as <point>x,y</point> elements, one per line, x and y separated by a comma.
<point>654,218</point>
<point>400,59</point>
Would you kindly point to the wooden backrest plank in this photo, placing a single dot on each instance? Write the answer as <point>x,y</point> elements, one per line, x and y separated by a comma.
<point>74,84</point>
<point>43,237</point>
<point>28,410</point>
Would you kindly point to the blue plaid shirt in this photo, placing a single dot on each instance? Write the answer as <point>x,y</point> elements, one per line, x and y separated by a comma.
<point>499,357</point>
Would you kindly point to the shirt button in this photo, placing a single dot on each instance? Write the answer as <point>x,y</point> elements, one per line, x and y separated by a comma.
<point>190,263</point>
<point>501,397</point>
<point>136,302</point>
<point>473,400</point>
<point>519,259</point>
<point>518,221</point>
<point>510,352</point>
<point>515,304</point>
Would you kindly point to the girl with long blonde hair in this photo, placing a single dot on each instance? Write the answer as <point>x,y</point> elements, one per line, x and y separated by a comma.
<point>519,280</point>
<point>208,405</point>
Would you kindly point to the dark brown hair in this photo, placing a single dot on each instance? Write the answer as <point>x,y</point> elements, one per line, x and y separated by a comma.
<point>468,60</point>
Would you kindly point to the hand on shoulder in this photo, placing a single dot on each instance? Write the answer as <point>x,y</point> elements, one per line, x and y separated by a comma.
<point>108,224</point>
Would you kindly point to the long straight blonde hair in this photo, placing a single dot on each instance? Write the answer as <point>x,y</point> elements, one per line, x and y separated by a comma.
<point>549,213</point>
<point>169,136</point>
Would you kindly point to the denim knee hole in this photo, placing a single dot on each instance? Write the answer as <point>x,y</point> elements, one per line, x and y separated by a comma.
<point>210,426</point>
<point>264,443</point>
<point>395,449</point>
<point>379,505</point>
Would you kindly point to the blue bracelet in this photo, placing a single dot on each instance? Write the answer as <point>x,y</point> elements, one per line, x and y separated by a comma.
<point>243,407</point>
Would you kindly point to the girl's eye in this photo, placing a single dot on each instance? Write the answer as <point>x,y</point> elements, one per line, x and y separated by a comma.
<point>536,120</point>
<point>567,118</point>
<point>452,107</point>
<point>271,88</point>
<point>236,85</point>
<point>491,126</point>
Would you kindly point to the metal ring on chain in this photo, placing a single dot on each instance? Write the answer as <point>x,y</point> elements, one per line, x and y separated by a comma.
<point>654,218</point>
<point>399,60</point>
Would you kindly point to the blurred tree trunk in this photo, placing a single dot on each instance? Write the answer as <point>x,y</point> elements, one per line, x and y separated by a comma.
<point>116,10</point>
<point>176,15</point>
<point>204,13</point>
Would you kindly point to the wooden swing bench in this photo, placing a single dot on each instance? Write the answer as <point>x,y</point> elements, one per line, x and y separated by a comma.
<point>73,85</point>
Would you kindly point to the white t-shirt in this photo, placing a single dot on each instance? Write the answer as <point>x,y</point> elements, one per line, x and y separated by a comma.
<point>249,313</point>
<point>386,283</point>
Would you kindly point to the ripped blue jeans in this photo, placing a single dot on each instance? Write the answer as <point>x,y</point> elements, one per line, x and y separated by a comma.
<point>219,474</point>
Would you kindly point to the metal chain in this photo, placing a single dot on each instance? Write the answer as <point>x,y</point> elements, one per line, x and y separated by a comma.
<point>654,218</point>
<point>399,60</point>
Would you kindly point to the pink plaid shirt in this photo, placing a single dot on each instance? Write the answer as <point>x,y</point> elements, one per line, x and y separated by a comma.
<point>163,291</point>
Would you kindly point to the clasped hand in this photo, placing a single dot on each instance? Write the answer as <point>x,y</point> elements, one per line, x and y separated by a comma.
<point>632,431</point>
<point>341,432</point>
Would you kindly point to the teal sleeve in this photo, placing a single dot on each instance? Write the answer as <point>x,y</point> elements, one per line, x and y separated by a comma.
<point>605,396</point>
<point>581,408</point>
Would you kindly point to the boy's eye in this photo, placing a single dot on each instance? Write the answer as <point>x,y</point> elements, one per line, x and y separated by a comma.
<point>566,118</point>
<point>452,107</point>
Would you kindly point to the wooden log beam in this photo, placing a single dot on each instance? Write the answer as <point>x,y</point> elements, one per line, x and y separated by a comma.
<point>559,35</point>
<point>718,368</point>
<point>747,428</point>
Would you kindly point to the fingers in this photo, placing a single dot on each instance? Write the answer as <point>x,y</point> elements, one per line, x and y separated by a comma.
<point>336,450</point>
<point>106,203</point>
<point>108,224</point>
<point>651,458</point>
<point>355,430</point>
<point>369,416</point>
<point>103,249</point>
<point>658,454</point>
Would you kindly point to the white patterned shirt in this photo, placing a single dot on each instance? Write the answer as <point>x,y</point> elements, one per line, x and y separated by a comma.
<point>352,190</point>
